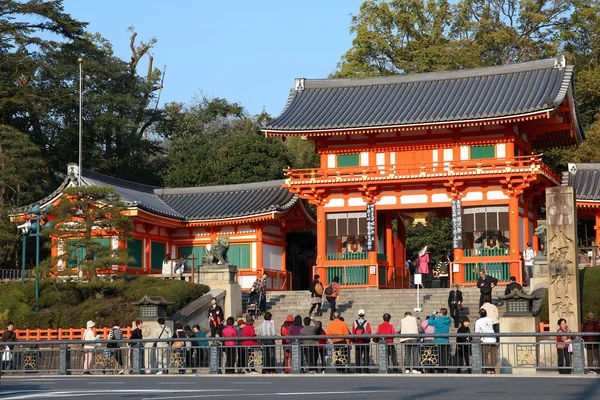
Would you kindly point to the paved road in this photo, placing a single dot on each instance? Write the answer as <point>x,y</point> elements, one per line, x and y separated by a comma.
<point>330,387</point>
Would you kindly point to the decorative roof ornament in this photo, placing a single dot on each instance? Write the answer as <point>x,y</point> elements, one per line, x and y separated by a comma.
<point>299,86</point>
<point>572,168</point>
<point>560,62</point>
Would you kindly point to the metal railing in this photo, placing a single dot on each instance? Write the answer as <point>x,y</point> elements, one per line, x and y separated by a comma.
<point>10,274</point>
<point>471,353</point>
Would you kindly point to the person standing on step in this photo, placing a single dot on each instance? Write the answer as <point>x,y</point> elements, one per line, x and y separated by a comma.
<point>424,265</point>
<point>485,283</point>
<point>409,326</point>
<point>528,257</point>
<point>455,299</point>
<point>215,318</point>
<point>332,293</point>
<point>361,346</point>
<point>513,285</point>
<point>316,296</point>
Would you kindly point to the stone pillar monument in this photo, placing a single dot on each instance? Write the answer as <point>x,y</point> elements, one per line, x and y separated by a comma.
<point>563,291</point>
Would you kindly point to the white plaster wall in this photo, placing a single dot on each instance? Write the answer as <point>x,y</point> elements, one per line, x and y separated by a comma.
<point>380,157</point>
<point>246,281</point>
<point>440,198</point>
<point>413,199</point>
<point>448,154</point>
<point>272,257</point>
<point>331,161</point>
<point>253,261</point>
<point>496,195</point>
<point>356,201</point>
<point>387,200</point>
<point>364,159</point>
<point>335,203</point>
<point>501,150</point>
<point>464,152</point>
<point>473,196</point>
<point>140,228</point>
<point>181,232</point>
<point>393,157</point>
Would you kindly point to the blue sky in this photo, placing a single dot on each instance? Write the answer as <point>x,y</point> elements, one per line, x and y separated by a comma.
<point>244,51</point>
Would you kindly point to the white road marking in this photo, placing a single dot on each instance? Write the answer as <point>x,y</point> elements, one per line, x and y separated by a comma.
<point>34,394</point>
<point>251,383</point>
<point>274,394</point>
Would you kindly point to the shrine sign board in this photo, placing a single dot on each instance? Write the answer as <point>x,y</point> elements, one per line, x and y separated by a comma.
<point>563,292</point>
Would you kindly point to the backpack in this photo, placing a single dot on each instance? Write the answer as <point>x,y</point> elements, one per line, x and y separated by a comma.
<point>360,330</point>
<point>319,289</point>
<point>329,291</point>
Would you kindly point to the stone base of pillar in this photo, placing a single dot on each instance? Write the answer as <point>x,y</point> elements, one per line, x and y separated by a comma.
<point>541,274</point>
<point>224,277</point>
<point>521,357</point>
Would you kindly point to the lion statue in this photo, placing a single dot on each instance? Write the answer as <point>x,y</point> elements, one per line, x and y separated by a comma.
<point>217,253</point>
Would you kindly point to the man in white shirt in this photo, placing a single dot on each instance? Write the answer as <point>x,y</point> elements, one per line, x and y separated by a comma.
<point>492,312</point>
<point>266,330</point>
<point>485,325</point>
<point>161,350</point>
<point>528,256</point>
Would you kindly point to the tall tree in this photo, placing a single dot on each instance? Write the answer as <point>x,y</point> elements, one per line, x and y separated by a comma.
<point>402,36</point>
<point>82,216</point>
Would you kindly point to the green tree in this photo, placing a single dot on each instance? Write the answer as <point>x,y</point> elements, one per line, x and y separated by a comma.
<point>21,182</point>
<point>214,143</point>
<point>403,36</point>
<point>437,237</point>
<point>82,216</point>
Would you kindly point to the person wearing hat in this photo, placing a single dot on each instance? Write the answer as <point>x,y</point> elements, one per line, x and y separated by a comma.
<point>455,299</point>
<point>361,347</point>
<point>89,336</point>
<point>286,331</point>
<point>592,343</point>
<point>528,256</point>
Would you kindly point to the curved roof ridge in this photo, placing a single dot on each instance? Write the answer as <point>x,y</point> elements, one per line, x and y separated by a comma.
<point>113,181</point>
<point>432,76</point>
<point>220,188</point>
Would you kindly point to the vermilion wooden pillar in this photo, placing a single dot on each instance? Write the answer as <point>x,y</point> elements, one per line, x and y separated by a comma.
<point>321,243</point>
<point>597,229</point>
<point>513,223</point>
<point>400,256</point>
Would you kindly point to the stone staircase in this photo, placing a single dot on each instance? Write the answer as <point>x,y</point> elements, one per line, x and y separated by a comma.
<point>374,302</point>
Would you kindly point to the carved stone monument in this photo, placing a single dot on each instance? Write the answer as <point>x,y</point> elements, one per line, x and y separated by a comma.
<point>563,291</point>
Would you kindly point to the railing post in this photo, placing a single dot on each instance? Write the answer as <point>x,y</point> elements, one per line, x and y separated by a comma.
<point>476,356</point>
<point>296,357</point>
<point>214,358</point>
<point>136,358</point>
<point>578,357</point>
<point>382,349</point>
<point>64,360</point>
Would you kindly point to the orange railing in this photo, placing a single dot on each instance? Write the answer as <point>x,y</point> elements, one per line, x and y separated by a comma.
<point>63,333</point>
<point>521,164</point>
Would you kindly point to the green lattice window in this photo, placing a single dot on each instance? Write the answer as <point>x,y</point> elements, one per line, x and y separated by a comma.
<point>158,253</point>
<point>191,251</point>
<point>348,160</point>
<point>136,250</point>
<point>76,255</point>
<point>483,152</point>
<point>239,255</point>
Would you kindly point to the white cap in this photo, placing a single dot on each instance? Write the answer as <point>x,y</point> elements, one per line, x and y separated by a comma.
<point>361,312</point>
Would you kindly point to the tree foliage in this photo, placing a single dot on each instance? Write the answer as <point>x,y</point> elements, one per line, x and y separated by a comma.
<point>83,215</point>
<point>214,143</point>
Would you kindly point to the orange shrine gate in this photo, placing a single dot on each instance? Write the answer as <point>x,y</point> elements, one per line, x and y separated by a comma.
<point>466,144</point>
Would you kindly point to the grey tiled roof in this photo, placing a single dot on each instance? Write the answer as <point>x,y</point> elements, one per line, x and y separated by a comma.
<point>585,179</point>
<point>437,97</point>
<point>191,204</point>
<point>230,201</point>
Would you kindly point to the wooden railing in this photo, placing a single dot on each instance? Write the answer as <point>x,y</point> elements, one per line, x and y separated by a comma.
<point>64,333</point>
<point>531,163</point>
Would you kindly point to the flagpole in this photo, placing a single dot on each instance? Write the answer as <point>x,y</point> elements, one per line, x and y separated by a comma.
<point>80,61</point>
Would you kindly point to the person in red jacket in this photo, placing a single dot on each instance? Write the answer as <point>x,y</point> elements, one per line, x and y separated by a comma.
<point>249,346</point>
<point>286,331</point>
<point>592,343</point>
<point>361,347</point>
<point>386,328</point>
